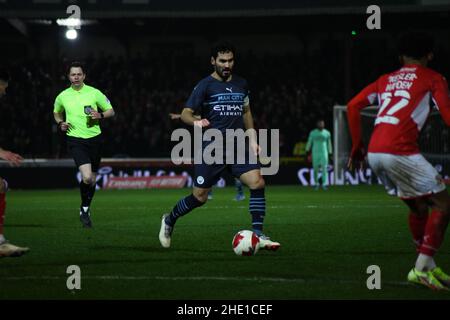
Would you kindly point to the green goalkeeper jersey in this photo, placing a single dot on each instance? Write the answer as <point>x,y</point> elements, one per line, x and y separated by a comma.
<point>320,141</point>
<point>76,104</point>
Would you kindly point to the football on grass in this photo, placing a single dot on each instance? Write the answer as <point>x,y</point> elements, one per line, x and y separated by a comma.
<point>245,243</point>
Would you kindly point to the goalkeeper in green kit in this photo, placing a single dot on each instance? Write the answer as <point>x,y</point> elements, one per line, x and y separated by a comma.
<point>320,141</point>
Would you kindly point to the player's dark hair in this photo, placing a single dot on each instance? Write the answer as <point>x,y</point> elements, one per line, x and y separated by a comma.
<point>415,45</point>
<point>76,64</point>
<point>222,46</point>
<point>4,75</point>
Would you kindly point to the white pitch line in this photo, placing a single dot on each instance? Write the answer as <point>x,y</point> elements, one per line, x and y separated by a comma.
<point>211,208</point>
<point>313,207</point>
<point>204,278</point>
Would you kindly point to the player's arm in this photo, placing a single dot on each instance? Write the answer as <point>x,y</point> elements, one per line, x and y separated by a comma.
<point>329,145</point>
<point>309,143</point>
<point>249,124</point>
<point>58,115</point>
<point>194,105</point>
<point>107,111</point>
<point>11,157</point>
<point>59,119</point>
<point>441,98</point>
<point>103,115</point>
<point>362,100</point>
<point>176,116</point>
<point>308,147</point>
<point>188,117</point>
<point>248,118</point>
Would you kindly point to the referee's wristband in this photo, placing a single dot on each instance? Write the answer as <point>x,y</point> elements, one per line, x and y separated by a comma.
<point>102,115</point>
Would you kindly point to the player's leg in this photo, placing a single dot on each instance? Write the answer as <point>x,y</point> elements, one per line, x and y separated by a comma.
<point>324,166</point>
<point>316,170</point>
<point>434,234</point>
<point>437,223</point>
<point>89,177</point>
<point>378,162</point>
<point>197,198</point>
<point>86,184</point>
<point>256,184</point>
<point>205,177</point>
<point>87,190</point>
<point>417,219</point>
<point>254,180</point>
<point>239,191</point>
<point>418,207</point>
<point>6,249</point>
<point>428,232</point>
<point>415,177</point>
<point>80,151</point>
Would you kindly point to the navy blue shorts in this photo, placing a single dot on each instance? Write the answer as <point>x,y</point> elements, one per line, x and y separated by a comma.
<point>207,175</point>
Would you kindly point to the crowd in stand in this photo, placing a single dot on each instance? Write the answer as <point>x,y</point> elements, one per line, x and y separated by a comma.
<point>288,91</point>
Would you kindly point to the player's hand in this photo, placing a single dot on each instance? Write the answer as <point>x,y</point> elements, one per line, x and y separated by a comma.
<point>65,126</point>
<point>309,157</point>
<point>95,115</point>
<point>201,123</point>
<point>11,157</point>
<point>174,116</point>
<point>357,158</point>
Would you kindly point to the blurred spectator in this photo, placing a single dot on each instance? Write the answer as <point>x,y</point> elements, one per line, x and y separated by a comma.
<point>287,92</point>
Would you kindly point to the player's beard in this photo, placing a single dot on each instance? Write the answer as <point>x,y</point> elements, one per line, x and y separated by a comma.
<point>222,74</point>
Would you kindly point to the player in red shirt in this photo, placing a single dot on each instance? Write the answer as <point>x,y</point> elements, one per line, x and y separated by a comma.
<point>404,99</point>
<point>7,249</point>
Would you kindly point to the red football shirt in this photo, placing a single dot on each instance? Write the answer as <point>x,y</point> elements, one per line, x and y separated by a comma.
<point>404,105</point>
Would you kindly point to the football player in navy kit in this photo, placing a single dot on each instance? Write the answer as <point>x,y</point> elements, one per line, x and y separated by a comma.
<point>222,102</point>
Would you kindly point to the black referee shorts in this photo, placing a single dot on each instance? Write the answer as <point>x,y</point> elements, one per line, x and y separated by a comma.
<point>85,151</point>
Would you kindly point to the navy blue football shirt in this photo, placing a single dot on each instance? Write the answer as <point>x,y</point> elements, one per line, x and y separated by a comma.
<point>221,102</point>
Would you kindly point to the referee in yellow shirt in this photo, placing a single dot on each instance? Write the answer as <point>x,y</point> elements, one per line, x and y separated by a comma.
<point>84,107</point>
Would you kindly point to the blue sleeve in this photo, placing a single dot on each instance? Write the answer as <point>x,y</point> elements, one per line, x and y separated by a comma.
<point>197,98</point>
<point>247,95</point>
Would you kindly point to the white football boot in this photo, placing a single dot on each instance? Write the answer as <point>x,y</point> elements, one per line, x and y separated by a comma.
<point>165,232</point>
<point>267,244</point>
<point>10,250</point>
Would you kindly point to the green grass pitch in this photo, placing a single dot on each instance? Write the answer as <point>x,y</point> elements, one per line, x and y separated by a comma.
<point>328,238</point>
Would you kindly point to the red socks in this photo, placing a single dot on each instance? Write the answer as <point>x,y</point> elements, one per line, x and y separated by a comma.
<point>417,224</point>
<point>434,232</point>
